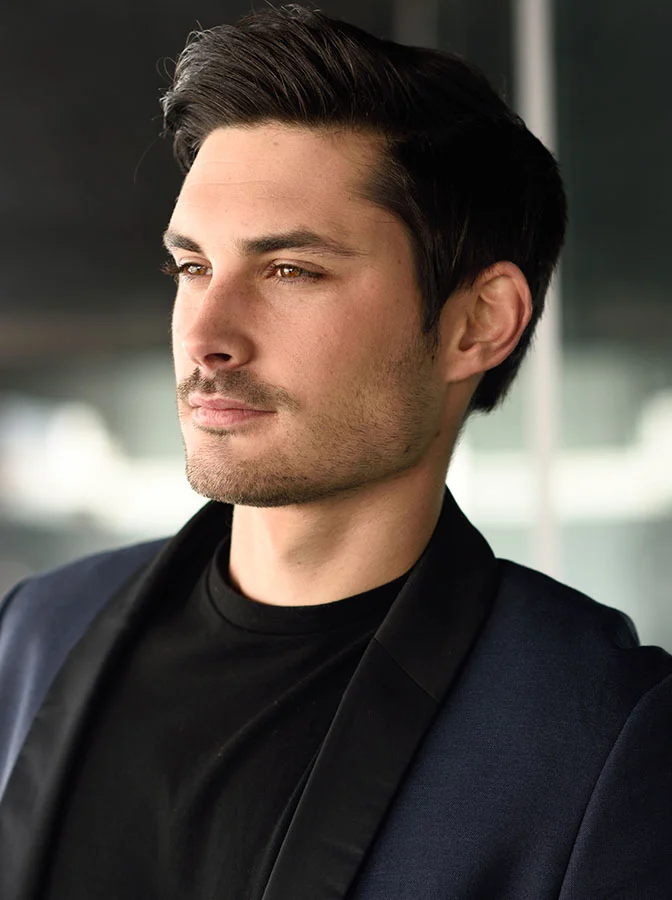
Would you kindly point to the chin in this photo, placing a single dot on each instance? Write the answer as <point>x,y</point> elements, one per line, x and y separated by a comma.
<point>270,489</point>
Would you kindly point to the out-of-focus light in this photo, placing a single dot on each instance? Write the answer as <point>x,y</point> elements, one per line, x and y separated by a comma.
<point>60,461</point>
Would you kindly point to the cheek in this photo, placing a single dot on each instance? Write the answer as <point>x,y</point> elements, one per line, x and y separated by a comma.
<point>340,358</point>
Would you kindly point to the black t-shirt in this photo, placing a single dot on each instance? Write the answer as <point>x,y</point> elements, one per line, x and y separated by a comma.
<point>202,743</point>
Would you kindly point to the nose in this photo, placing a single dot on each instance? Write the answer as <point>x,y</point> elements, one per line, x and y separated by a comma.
<point>210,332</point>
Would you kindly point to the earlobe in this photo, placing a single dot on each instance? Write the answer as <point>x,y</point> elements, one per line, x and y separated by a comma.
<point>491,317</point>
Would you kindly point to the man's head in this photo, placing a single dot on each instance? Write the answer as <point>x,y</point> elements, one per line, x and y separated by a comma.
<point>406,158</point>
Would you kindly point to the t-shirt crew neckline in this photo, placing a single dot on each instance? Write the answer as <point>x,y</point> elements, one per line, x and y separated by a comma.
<point>253,615</point>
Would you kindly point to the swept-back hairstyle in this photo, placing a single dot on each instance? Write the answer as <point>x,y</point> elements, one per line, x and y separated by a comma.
<point>460,170</point>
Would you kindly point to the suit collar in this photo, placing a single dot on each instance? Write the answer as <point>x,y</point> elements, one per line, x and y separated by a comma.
<point>385,711</point>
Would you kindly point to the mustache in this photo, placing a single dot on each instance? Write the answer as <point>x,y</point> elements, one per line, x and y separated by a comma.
<point>239,386</point>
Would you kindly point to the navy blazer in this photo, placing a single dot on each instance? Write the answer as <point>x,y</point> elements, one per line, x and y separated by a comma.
<point>503,737</point>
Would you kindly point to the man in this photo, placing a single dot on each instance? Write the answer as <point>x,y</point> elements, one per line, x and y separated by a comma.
<point>325,685</point>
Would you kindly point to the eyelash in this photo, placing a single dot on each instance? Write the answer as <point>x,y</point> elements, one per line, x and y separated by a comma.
<point>178,272</point>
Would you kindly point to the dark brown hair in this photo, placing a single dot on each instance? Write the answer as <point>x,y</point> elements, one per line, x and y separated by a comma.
<point>471,183</point>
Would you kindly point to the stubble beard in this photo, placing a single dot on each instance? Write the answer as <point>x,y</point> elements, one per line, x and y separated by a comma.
<point>380,431</point>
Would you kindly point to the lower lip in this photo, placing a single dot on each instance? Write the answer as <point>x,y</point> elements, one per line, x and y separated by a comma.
<point>219,418</point>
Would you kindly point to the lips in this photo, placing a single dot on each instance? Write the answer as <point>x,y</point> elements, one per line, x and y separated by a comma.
<point>218,402</point>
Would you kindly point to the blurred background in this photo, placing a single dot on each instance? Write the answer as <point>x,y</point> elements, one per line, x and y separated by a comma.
<point>573,475</point>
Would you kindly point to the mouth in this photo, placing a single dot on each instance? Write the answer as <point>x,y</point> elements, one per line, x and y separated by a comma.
<point>223,417</point>
<point>206,401</point>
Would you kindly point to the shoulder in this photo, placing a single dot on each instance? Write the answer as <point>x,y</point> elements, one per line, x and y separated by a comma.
<point>547,646</point>
<point>65,586</point>
<point>554,610</point>
<point>42,619</point>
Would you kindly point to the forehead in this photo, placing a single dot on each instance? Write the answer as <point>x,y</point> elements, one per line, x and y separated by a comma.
<point>245,173</point>
<point>276,148</point>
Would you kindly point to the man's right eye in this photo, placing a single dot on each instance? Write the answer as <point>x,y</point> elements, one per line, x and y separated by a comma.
<point>185,270</point>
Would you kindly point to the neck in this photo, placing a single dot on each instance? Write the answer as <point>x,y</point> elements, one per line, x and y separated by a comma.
<point>316,553</point>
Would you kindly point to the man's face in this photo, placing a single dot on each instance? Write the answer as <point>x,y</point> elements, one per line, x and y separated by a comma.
<point>301,301</point>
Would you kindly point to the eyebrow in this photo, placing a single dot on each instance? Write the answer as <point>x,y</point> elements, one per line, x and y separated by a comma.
<point>299,239</point>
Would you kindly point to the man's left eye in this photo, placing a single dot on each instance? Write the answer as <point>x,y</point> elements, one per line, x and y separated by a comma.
<point>288,272</point>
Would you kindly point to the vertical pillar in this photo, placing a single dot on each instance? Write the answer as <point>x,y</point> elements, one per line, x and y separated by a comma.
<point>534,66</point>
<point>416,22</point>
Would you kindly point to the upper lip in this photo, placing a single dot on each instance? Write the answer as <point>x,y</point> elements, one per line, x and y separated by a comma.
<point>216,401</point>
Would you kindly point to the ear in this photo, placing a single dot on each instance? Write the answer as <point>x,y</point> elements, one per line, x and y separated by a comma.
<point>484,322</point>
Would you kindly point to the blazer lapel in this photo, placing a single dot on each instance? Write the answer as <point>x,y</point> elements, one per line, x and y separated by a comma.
<point>32,798</point>
<point>385,712</point>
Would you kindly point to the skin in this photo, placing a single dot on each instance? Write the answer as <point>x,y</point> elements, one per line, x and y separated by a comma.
<point>338,489</point>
